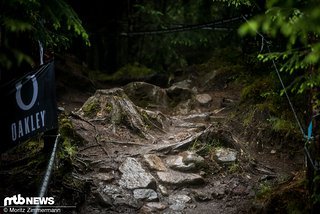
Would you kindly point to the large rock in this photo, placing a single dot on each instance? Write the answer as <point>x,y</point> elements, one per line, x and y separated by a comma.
<point>154,162</point>
<point>134,176</point>
<point>179,179</point>
<point>146,95</point>
<point>178,202</point>
<point>103,199</point>
<point>204,99</point>
<point>183,107</point>
<point>191,157</point>
<point>163,190</point>
<point>183,84</point>
<point>176,163</point>
<point>202,194</point>
<point>180,91</point>
<point>145,194</point>
<point>115,195</point>
<point>226,155</point>
<point>185,161</point>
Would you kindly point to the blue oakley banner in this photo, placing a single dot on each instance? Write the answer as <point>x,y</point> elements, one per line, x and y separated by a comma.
<point>28,106</point>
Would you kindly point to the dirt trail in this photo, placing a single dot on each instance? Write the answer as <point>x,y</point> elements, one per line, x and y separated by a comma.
<point>189,160</point>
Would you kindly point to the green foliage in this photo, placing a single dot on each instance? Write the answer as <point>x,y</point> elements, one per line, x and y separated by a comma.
<point>265,190</point>
<point>68,150</point>
<point>53,22</point>
<point>296,24</point>
<point>263,92</point>
<point>60,19</point>
<point>282,125</point>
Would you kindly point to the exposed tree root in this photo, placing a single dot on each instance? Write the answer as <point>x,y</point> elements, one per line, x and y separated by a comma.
<point>113,106</point>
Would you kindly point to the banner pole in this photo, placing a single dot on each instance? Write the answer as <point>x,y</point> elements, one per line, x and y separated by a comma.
<point>40,52</point>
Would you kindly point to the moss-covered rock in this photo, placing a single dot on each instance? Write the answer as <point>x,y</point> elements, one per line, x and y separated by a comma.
<point>146,95</point>
<point>91,107</point>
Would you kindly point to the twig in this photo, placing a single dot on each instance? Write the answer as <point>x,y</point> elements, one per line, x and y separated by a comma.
<point>123,143</point>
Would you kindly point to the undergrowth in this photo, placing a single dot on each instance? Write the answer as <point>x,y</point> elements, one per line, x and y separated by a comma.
<point>265,104</point>
<point>284,198</point>
<point>127,72</point>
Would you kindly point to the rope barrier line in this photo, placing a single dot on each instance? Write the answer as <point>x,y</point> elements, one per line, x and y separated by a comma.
<point>48,173</point>
<point>280,79</point>
<point>187,28</point>
<point>288,98</point>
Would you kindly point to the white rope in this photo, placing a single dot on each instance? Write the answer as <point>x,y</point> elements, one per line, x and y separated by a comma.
<point>47,175</point>
<point>207,26</point>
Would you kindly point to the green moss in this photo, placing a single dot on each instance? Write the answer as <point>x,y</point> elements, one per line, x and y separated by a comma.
<point>268,106</point>
<point>66,127</point>
<point>69,149</point>
<point>248,118</point>
<point>234,168</point>
<point>71,140</point>
<point>264,190</point>
<point>91,107</point>
<point>108,107</point>
<point>29,147</point>
<point>281,125</point>
<point>66,131</point>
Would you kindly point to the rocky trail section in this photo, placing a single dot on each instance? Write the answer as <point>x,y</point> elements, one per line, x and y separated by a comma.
<point>140,160</point>
<point>146,149</point>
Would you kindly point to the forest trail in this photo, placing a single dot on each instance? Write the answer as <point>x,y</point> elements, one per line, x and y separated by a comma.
<point>163,106</point>
<point>171,150</point>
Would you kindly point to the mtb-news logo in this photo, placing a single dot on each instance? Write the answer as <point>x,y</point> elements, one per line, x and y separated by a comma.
<point>20,204</point>
<point>19,200</point>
